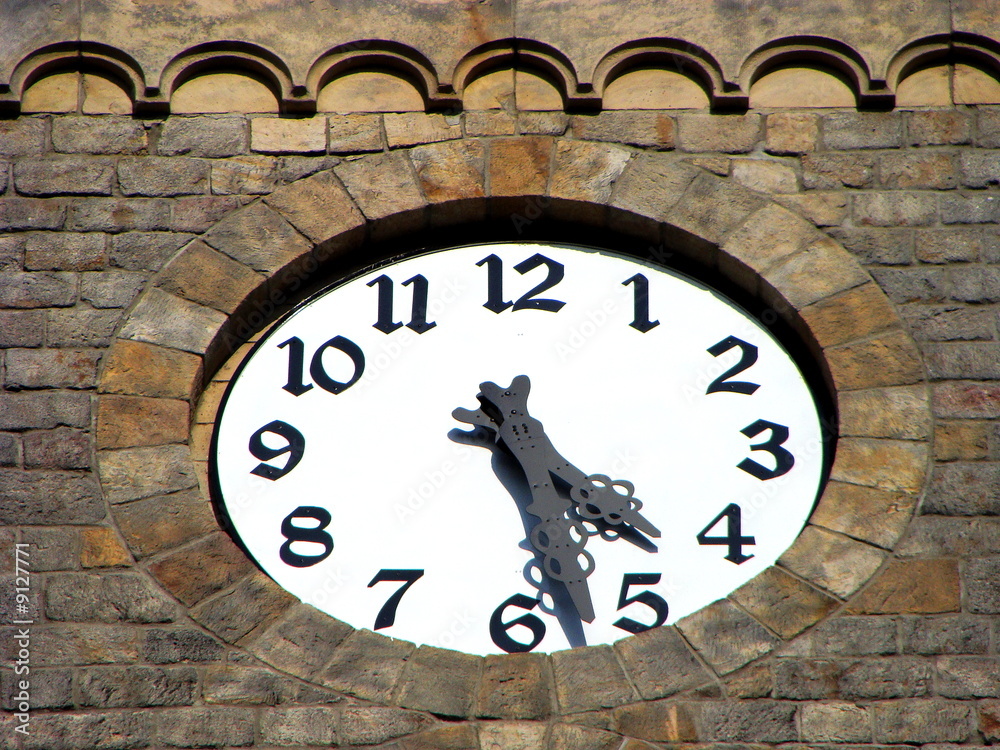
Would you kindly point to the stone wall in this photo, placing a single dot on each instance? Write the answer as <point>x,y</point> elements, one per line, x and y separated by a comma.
<point>172,182</point>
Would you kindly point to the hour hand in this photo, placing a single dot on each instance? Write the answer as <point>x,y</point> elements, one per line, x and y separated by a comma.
<point>598,497</point>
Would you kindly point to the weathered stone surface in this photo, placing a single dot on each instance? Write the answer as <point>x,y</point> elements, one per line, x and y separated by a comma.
<point>447,172</point>
<point>769,176</point>
<point>646,129</point>
<point>968,677</point>
<point>588,679</point>
<point>258,237</point>
<point>60,448</point>
<point>885,678</point>
<point>164,522</point>
<point>411,128</point>
<point>850,315</point>
<point>367,665</point>
<point>866,513</point>
<point>31,213</point>
<point>100,547</point>
<point>934,536</point>
<point>382,186</point>
<point>246,175</point>
<point>173,646</point>
<point>98,135</point>
<point>135,473</point>
<point>964,489</point>
<point>519,166</point>
<point>141,369</point>
<point>217,726</point>
<point>956,634</point>
<point>981,585</point>
<point>44,410</point>
<point>733,134</point>
<point>317,206</point>
<point>836,722</point>
<point>831,561</point>
<point>918,721</point>
<point>51,368</point>
<point>253,602</point>
<point>900,413</point>
<point>49,497</point>
<point>108,597</point>
<point>659,663</point>
<point>28,290</point>
<point>651,184</point>
<point>162,176</point>
<point>517,735</point>
<point>440,681</point>
<point>586,172</point>
<point>799,678</point>
<point>203,136</point>
<point>573,737</point>
<point>886,464</point>
<point>203,275</point>
<point>299,725</point>
<point>301,642</point>
<point>749,721</point>
<point>888,359</point>
<point>966,400</point>
<point>769,236</point>
<point>201,569</point>
<point>129,421</point>
<point>515,686</point>
<point>167,320</point>
<point>791,132</point>
<point>23,137</point>
<point>658,721</point>
<point>712,207</point>
<point>783,603</point>
<point>272,135</point>
<point>370,725</point>
<point>822,270</point>
<point>64,176</point>
<point>111,687</point>
<point>725,636</point>
<point>353,134</point>
<point>111,289</point>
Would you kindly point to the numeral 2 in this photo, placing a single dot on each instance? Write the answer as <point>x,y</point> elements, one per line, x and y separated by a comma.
<point>387,615</point>
<point>748,355</point>
<point>733,539</point>
<point>418,312</point>
<point>494,287</point>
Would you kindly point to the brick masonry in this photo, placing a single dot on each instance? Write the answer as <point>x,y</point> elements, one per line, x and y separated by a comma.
<point>137,255</point>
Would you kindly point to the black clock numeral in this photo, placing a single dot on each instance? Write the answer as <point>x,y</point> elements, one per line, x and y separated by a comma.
<point>296,365</point>
<point>783,460</point>
<point>418,313</point>
<point>387,615</point>
<point>494,284</point>
<point>296,446</point>
<point>654,601</point>
<point>748,355</point>
<point>499,629</point>
<point>733,539</point>
<point>640,318</point>
<point>313,534</point>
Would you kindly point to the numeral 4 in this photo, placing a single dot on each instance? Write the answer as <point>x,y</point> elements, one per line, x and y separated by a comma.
<point>733,539</point>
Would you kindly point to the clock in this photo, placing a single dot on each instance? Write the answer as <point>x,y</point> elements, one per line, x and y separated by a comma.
<point>517,447</point>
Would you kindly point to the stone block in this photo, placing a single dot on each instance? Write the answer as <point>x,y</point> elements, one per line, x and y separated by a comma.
<point>371,725</point>
<point>355,134</point>
<point>24,136</point>
<point>542,123</point>
<point>833,171</point>
<point>44,410</point>
<point>49,498</point>
<point>865,513</point>
<point>135,473</point>
<point>887,677</point>
<point>919,284</point>
<point>729,134</point>
<point>989,719</point>
<point>61,448</point>
<point>198,214</point>
<point>966,400</point>
<point>162,523</point>
<point>301,642</point>
<point>211,137</point>
<point>31,213</point>
<point>920,171</point>
<point>119,215</point>
<point>968,677</point>
<point>791,133</point>
<point>299,725</point>
<point>846,130</point>
<point>894,209</point>
<point>962,440</point>
<point>900,413</point>
<point>645,129</point>
<point>807,679</point>
<point>367,665</point>
<point>879,246</point>
<point>765,175</point>
<point>452,172</point>
<point>659,663</point>
<point>412,128</point>
<point>651,184</point>
<point>50,688</point>
<point>37,289</point>
<point>115,687</point>
<point>586,172</point>
<point>854,314</point>
<point>824,209</point>
<point>769,236</point>
<point>588,679</point>
<point>22,328</point>
<point>955,634</point>
<point>166,320</point>
<point>201,569</point>
<point>254,686</point>
<point>102,730</point>
<point>100,547</point>
<point>489,123</point>
<point>85,644</point>
<point>163,176</point>
<point>200,726</point>
<point>711,208</point>
<point>938,128</point>
<point>145,251</point>
<point>515,735</point>
<point>726,637</point>
<point>317,206</point>
<point>82,327</point>
<point>659,721</point>
<point>278,135</point>
<point>174,646</point>
<point>440,681</point>
<point>111,289</point>
<point>822,270</point>
<point>852,636</point>
<point>836,722</point>
<point>895,465</point>
<point>258,237</point>
<point>64,176</point>
<point>957,245</point>
<point>976,284</point>
<point>246,175</point>
<point>108,597</point>
<point>969,208</point>
<point>831,561</point>
<point>519,166</point>
<point>130,421</point>
<point>954,360</point>
<point>921,721</point>
<point>515,686</point>
<point>981,582</point>
<point>749,721</point>
<point>890,359</point>
<point>98,135</point>
<point>964,489</point>
<point>253,602</point>
<point>51,549</point>
<point>573,737</point>
<point>950,322</point>
<point>51,368</point>
<point>141,369</point>
<point>203,275</point>
<point>783,603</point>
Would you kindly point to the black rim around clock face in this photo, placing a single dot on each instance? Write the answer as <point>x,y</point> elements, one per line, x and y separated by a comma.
<point>516,447</point>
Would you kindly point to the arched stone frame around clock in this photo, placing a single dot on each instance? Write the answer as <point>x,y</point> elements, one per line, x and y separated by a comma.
<point>227,283</point>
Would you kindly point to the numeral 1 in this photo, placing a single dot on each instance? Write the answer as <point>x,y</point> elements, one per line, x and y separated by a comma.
<point>733,539</point>
<point>640,320</point>
<point>418,314</point>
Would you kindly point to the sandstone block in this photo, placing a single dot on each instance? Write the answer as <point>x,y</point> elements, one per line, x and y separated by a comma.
<point>915,171</point>
<point>440,681</point>
<point>299,725</point>
<point>198,214</point>
<point>354,134</point>
<point>895,465</point>
<point>836,722</point>
<point>274,135</point>
<point>890,359</point>
<point>383,185</point>
<point>163,176</point>
<point>31,213</point>
<point>211,137</point>
<point>769,236</point>
<point>833,562</point>
<point>646,129</point>
<point>765,175</point>
<point>872,515</point>
<point>201,569</point>
<point>725,636</point>
<point>24,136</point>
<point>411,128</point>
<point>163,646</point>
<point>844,130</point>
<point>918,721</point>
<point>968,677</point>
<point>807,679</point>
<point>64,176</point>
<point>61,448</point>
<point>367,665</point>
<point>961,440</point>
<point>119,214</point>
<point>49,498</point>
<point>659,721</point>
<point>489,123</point>
<point>246,175</point>
<point>135,473</point>
<point>956,634</point>
<point>51,368</point>
<point>301,642</point>
<point>896,209</point>
<point>253,602</point>
<point>515,686</point>
<point>518,735</point>
<point>112,687</point>
<point>783,603</point>
<point>981,581</point>
<point>750,721</point>
<point>659,663</point>
<point>128,421</point>
<point>216,726</point>
<point>64,251</point>
<point>938,128</point>
<point>259,238</point>
<point>98,135</point>
<point>111,289</point>
<point>957,244</point>
<point>519,166</point>
<point>586,172</point>
<point>162,523</point>
<point>203,275</point>
<point>791,133</point>
<point>22,328</point>
<point>145,251</point>
<point>317,206</point>
<point>141,369</point>
<point>44,410</point>
<point>166,320</point>
<point>966,400</point>
<point>651,184</point>
<point>849,315</point>
<point>900,413</point>
<point>969,208</point>
<point>37,289</point>
<point>712,207</point>
<point>852,636</point>
<point>588,679</point>
<point>730,134</point>
<point>832,171</point>
<point>824,269</point>
<point>888,677</point>
<point>110,597</point>
<point>964,489</point>
<point>100,547</point>
<point>448,172</point>
<point>573,737</point>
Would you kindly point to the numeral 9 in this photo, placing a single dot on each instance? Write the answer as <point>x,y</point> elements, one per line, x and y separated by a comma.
<point>296,446</point>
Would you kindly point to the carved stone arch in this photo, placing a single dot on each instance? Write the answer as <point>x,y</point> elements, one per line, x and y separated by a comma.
<point>381,55</point>
<point>76,56</point>
<point>824,53</point>
<point>234,278</point>
<point>916,55</point>
<point>252,58</point>
<point>674,54</point>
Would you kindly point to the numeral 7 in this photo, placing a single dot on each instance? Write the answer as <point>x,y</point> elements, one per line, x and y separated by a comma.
<point>387,615</point>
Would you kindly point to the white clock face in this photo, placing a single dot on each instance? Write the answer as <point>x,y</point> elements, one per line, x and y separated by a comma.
<point>513,447</point>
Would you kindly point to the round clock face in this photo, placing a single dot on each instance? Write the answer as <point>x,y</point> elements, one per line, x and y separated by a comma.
<point>516,447</point>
